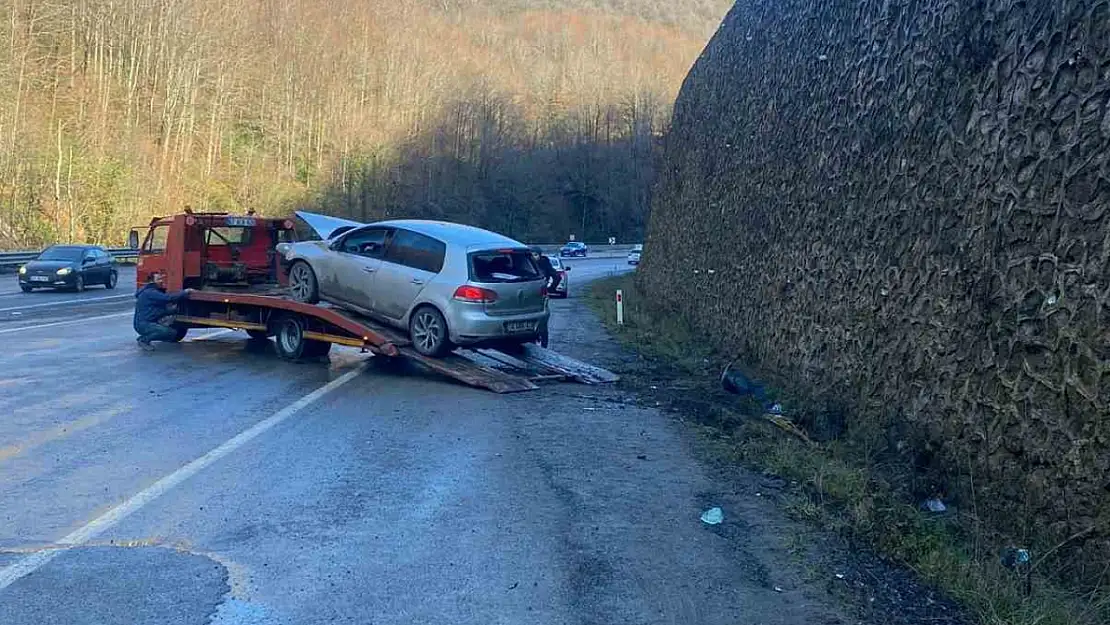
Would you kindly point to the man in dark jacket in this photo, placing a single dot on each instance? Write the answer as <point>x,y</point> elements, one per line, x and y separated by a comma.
<point>151,304</point>
<point>553,277</point>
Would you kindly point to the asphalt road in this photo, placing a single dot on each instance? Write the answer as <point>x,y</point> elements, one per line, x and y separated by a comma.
<point>211,482</point>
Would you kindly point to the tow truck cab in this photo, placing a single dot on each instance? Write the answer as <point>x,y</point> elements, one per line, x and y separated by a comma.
<point>197,250</point>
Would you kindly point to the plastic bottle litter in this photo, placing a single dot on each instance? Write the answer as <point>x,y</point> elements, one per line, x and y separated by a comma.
<point>713,516</point>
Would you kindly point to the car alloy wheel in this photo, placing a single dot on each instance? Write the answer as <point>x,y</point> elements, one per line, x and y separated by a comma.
<point>429,332</point>
<point>302,283</point>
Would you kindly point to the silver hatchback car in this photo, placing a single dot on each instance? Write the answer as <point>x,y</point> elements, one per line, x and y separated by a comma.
<point>446,284</point>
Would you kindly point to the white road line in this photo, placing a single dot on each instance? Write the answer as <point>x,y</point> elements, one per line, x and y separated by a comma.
<point>68,301</point>
<point>29,564</point>
<point>65,323</point>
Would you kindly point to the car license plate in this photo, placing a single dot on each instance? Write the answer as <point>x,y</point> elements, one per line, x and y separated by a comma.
<point>518,327</point>
<point>40,279</point>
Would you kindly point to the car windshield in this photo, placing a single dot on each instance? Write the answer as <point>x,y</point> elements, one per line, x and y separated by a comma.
<point>62,253</point>
<point>503,266</point>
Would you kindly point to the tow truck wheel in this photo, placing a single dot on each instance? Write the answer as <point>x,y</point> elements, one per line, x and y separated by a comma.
<point>302,283</point>
<point>293,346</point>
<point>290,338</point>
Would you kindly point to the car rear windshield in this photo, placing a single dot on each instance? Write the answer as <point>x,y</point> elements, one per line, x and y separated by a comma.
<point>62,253</point>
<point>503,266</point>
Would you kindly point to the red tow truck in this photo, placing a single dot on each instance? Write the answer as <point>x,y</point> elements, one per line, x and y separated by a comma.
<point>239,282</point>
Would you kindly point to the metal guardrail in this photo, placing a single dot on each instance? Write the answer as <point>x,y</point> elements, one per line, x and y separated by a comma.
<point>14,259</point>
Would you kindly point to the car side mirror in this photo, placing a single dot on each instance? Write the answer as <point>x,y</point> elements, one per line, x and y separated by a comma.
<point>566,268</point>
<point>133,240</point>
<point>89,259</point>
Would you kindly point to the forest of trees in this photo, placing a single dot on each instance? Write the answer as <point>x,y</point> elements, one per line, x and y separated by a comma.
<point>537,118</point>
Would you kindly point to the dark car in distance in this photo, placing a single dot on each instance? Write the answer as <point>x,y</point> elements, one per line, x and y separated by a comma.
<point>71,267</point>
<point>574,248</point>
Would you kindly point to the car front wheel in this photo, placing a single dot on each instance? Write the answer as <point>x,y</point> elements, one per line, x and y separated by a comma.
<point>303,284</point>
<point>428,331</point>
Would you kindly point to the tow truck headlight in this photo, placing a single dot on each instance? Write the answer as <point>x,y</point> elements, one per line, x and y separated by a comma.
<point>65,271</point>
<point>23,270</point>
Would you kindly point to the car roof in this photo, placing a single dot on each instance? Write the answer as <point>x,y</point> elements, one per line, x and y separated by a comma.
<point>73,246</point>
<point>449,232</point>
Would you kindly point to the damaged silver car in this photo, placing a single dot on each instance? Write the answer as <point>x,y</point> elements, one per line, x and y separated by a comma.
<point>447,284</point>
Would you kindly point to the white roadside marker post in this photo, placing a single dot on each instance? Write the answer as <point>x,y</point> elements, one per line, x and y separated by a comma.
<point>620,308</point>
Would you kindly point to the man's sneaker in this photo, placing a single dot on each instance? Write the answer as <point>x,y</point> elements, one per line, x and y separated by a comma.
<point>144,344</point>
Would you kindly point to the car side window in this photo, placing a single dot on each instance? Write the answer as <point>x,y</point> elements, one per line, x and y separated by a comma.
<point>417,251</point>
<point>369,243</point>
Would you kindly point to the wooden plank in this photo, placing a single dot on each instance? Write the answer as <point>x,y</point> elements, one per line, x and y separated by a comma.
<point>516,362</point>
<point>580,371</point>
<point>534,372</point>
<point>469,372</point>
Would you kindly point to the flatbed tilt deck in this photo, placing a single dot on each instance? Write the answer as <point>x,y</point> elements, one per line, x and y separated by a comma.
<point>240,284</point>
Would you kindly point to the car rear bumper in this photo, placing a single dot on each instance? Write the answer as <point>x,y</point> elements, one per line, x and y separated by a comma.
<point>470,326</point>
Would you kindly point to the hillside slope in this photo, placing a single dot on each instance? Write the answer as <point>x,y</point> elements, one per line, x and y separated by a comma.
<point>902,206</point>
<point>121,109</point>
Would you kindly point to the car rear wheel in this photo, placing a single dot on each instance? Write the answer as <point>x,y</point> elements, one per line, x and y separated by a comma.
<point>303,284</point>
<point>26,288</point>
<point>110,283</point>
<point>428,331</point>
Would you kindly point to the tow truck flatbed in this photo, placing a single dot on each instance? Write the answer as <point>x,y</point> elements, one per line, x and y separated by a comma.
<point>307,331</point>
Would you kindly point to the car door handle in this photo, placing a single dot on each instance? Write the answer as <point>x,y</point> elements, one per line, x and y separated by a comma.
<point>369,269</point>
<point>417,281</point>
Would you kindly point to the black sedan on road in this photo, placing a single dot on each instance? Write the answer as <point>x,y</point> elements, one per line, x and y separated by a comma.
<point>69,267</point>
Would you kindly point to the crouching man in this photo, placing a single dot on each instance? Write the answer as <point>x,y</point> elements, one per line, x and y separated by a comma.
<point>151,304</point>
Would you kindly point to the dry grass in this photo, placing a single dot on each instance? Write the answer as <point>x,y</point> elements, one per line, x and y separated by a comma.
<point>846,491</point>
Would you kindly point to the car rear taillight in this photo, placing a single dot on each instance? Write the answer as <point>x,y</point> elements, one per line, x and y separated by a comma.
<point>474,294</point>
